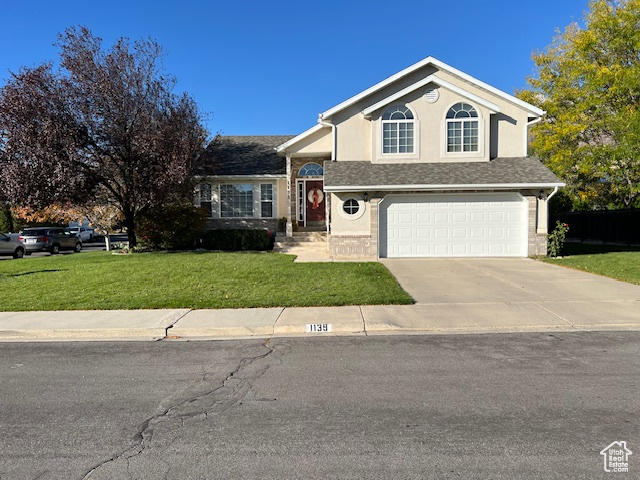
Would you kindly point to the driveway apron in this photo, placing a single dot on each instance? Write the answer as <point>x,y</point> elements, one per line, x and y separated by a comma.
<point>492,286</point>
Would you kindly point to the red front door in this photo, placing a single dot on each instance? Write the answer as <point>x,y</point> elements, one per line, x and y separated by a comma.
<point>314,201</point>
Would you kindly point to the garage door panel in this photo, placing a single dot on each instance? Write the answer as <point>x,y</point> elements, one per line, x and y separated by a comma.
<point>454,225</point>
<point>441,233</point>
<point>477,232</point>
<point>476,217</point>
<point>459,233</point>
<point>423,233</point>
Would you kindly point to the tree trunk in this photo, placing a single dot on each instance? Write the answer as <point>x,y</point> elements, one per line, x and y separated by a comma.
<point>129,222</point>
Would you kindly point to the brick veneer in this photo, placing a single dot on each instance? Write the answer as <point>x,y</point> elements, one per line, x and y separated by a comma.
<point>358,245</point>
<point>230,223</point>
<point>537,241</point>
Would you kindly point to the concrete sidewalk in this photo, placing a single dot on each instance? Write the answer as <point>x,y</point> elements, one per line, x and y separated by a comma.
<point>437,318</point>
<point>452,295</point>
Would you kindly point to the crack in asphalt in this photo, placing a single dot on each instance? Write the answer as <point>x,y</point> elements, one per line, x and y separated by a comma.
<point>209,402</point>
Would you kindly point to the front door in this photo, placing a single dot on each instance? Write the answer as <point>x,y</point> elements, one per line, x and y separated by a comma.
<point>315,202</point>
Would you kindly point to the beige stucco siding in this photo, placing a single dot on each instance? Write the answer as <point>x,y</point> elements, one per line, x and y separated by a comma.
<point>343,224</point>
<point>319,143</point>
<point>503,133</point>
<point>281,195</point>
<point>511,121</point>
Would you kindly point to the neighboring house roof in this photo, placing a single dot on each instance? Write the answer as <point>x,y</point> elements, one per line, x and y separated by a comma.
<point>499,173</point>
<point>233,156</point>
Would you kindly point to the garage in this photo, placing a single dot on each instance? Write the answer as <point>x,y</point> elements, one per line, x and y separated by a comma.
<point>453,225</point>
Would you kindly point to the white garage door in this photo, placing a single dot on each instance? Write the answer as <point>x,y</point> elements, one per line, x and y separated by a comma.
<point>461,225</point>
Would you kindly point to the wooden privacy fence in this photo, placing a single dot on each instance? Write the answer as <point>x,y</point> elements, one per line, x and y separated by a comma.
<point>601,226</point>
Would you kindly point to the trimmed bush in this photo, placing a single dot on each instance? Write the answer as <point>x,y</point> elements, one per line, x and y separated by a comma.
<point>171,227</point>
<point>6,219</point>
<point>238,239</point>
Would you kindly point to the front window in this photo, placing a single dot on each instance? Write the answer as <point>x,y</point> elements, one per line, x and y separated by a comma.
<point>397,130</point>
<point>462,128</point>
<point>236,200</point>
<point>266,200</point>
<point>205,198</point>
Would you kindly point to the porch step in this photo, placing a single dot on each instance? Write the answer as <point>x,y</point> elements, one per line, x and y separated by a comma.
<point>307,241</point>
<point>301,238</point>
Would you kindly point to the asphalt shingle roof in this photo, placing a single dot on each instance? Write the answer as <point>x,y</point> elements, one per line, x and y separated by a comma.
<point>497,171</point>
<point>244,155</point>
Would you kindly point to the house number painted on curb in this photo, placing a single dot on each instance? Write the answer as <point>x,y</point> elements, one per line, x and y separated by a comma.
<point>318,327</point>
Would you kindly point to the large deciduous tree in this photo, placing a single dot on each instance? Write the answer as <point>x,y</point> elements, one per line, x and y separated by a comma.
<point>102,128</point>
<point>588,81</point>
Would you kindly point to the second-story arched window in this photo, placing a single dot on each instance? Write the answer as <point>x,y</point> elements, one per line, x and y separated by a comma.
<point>462,128</point>
<point>397,130</point>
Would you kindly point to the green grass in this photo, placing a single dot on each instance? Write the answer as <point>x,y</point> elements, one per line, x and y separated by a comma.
<point>101,281</point>
<point>619,262</point>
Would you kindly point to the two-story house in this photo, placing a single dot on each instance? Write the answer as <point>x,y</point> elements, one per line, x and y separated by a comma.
<point>430,162</point>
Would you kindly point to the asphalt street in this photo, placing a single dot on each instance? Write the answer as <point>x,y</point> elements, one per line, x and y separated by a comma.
<point>500,406</point>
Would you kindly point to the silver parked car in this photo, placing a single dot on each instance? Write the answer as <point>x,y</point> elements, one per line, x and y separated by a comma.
<point>49,239</point>
<point>84,233</point>
<point>11,246</point>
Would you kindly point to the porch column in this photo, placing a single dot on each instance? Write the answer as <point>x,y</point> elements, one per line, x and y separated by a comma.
<point>289,227</point>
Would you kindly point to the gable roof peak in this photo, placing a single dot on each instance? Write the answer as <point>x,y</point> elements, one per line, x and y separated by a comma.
<point>430,60</point>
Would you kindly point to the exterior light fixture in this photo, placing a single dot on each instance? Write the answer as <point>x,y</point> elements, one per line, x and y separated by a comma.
<point>365,196</point>
<point>541,195</point>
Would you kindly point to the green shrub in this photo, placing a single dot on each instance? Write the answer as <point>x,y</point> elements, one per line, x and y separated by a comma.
<point>6,219</point>
<point>238,239</point>
<point>175,226</point>
<point>555,240</point>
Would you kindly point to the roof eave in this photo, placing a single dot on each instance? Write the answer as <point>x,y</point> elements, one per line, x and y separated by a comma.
<point>428,187</point>
<point>281,148</point>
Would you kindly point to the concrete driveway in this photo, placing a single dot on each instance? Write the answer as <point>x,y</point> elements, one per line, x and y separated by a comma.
<point>511,291</point>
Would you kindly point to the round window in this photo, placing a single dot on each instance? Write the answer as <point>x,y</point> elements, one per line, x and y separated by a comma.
<point>351,206</point>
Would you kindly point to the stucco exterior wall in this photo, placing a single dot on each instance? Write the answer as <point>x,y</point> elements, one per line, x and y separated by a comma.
<point>319,143</point>
<point>344,224</point>
<point>503,134</point>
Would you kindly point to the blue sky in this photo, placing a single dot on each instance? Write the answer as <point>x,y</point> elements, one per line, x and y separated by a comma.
<point>269,67</point>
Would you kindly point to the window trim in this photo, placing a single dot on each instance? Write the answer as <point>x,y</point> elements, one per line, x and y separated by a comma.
<point>445,133</point>
<point>311,175</point>
<point>209,210</point>
<point>252,202</point>
<point>272,201</point>
<point>361,204</point>
<point>378,137</point>
<point>397,107</point>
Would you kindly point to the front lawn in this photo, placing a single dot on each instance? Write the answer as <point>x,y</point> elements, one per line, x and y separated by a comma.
<point>101,281</point>
<point>621,263</point>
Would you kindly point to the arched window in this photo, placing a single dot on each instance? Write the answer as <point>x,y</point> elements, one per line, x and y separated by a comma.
<point>311,170</point>
<point>397,130</point>
<point>462,128</point>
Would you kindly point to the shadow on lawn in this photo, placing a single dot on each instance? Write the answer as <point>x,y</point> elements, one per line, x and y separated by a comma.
<point>22,274</point>
<point>591,249</point>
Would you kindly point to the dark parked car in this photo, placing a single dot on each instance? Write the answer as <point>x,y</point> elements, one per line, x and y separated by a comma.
<point>49,239</point>
<point>11,246</point>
